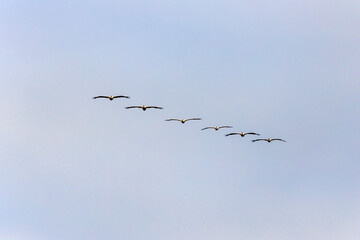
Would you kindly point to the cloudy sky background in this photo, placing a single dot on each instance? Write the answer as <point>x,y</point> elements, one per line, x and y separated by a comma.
<point>76,168</point>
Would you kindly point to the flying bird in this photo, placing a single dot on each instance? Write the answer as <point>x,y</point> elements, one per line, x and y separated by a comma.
<point>182,120</point>
<point>111,97</point>
<point>269,139</point>
<point>216,128</point>
<point>242,134</point>
<point>143,107</point>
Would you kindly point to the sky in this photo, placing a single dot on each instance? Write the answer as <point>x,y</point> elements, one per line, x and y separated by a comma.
<point>76,168</point>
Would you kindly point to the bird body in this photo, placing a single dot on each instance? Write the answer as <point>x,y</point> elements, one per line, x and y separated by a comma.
<point>216,128</point>
<point>111,97</point>
<point>269,139</point>
<point>182,120</point>
<point>143,107</point>
<point>242,134</point>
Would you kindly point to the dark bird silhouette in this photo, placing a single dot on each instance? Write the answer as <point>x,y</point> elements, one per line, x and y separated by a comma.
<point>182,120</point>
<point>111,97</point>
<point>242,134</point>
<point>216,128</point>
<point>269,139</point>
<point>143,107</point>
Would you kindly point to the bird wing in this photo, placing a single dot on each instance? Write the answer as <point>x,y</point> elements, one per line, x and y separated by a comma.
<point>100,97</point>
<point>230,134</point>
<point>260,139</point>
<point>173,119</point>
<point>154,107</point>
<point>225,127</point>
<point>121,96</point>
<point>278,139</point>
<point>133,107</point>
<point>252,133</point>
<point>207,128</point>
<point>189,119</point>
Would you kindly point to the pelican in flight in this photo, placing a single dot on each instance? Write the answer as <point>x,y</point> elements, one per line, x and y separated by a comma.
<point>182,120</point>
<point>143,107</point>
<point>111,97</point>
<point>269,139</point>
<point>242,134</point>
<point>216,128</point>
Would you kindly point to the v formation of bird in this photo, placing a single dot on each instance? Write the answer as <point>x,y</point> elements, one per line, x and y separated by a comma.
<point>216,128</point>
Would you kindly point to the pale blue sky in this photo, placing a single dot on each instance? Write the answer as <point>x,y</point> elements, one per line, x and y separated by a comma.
<point>76,168</point>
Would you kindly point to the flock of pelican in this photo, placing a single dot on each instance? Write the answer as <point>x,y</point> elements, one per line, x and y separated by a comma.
<point>216,128</point>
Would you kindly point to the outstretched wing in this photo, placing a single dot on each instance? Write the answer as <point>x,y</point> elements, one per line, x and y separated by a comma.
<point>207,128</point>
<point>173,119</point>
<point>230,134</point>
<point>190,119</point>
<point>156,107</point>
<point>225,127</point>
<point>278,139</point>
<point>133,107</point>
<point>252,133</point>
<point>121,96</point>
<point>100,97</point>
<point>260,139</point>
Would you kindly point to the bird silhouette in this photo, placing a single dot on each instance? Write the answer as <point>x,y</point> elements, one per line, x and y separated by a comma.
<point>111,97</point>
<point>216,128</point>
<point>182,120</point>
<point>269,139</point>
<point>143,107</point>
<point>242,134</point>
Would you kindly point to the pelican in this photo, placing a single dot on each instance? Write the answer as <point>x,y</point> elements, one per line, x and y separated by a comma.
<point>143,107</point>
<point>111,97</point>
<point>217,127</point>
<point>182,120</point>
<point>269,139</point>
<point>242,134</point>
